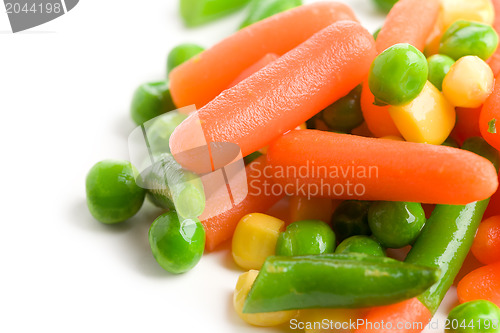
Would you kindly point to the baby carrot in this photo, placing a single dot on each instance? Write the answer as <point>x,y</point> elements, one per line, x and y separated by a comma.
<point>411,311</point>
<point>486,246</point>
<point>409,21</point>
<point>263,62</point>
<point>494,60</point>
<point>489,120</point>
<point>205,76</point>
<point>377,118</point>
<point>281,96</point>
<point>350,167</point>
<point>221,227</point>
<point>482,283</point>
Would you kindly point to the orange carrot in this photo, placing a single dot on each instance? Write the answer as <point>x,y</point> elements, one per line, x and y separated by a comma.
<point>349,167</point>
<point>202,78</point>
<point>409,21</point>
<point>489,120</point>
<point>410,316</point>
<point>494,60</point>
<point>482,283</point>
<point>221,227</point>
<point>486,246</point>
<point>279,97</point>
<point>467,125</point>
<point>266,60</point>
<point>377,118</point>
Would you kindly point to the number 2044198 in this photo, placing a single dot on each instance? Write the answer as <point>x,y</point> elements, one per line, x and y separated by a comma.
<point>47,8</point>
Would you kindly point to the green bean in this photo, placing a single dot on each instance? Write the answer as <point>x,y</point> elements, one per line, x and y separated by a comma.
<point>261,9</point>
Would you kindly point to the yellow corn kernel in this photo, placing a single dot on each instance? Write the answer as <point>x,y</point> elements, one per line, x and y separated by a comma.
<point>393,137</point>
<point>469,10</point>
<point>255,239</point>
<point>241,291</point>
<point>302,208</point>
<point>468,83</point>
<point>330,320</point>
<point>429,118</point>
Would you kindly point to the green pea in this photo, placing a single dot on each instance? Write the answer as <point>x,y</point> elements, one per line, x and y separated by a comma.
<point>112,193</point>
<point>351,219</point>
<point>439,66</point>
<point>361,244</point>
<point>176,245</point>
<point>182,53</point>
<point>375,34</point>
<point>450,142</point>
<point>479,316</point>
<point>396,224</point>
<point>385,5</point>
<point>262,9</point>
<point>306,237</point>
<point>151,100</point>
<point>345,114</point>
<point>465,38</point>
<point>398,75</point>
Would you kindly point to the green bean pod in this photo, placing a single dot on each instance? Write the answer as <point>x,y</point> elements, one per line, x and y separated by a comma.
<point>335,281</point>
<point>447,236</point>
<point>261,9</point>
<point>198,12</point>
<point>174,188</point>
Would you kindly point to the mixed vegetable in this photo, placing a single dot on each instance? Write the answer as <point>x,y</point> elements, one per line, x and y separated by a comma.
<point>368,142</point>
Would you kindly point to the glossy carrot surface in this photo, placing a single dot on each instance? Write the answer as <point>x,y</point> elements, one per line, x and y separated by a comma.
<point>411,312</point>
<point>205,76</point>
<point>409,21</point>
<point>489,120</point>
<point>263,62</point>
<point>482,283</point>
<point>351,167</point>
<point>281,96</point>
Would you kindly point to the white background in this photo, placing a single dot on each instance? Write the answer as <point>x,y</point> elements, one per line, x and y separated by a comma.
<point>65,89</point>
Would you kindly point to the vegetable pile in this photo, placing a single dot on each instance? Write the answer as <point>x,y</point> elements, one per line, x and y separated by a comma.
<point>368,143</point>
